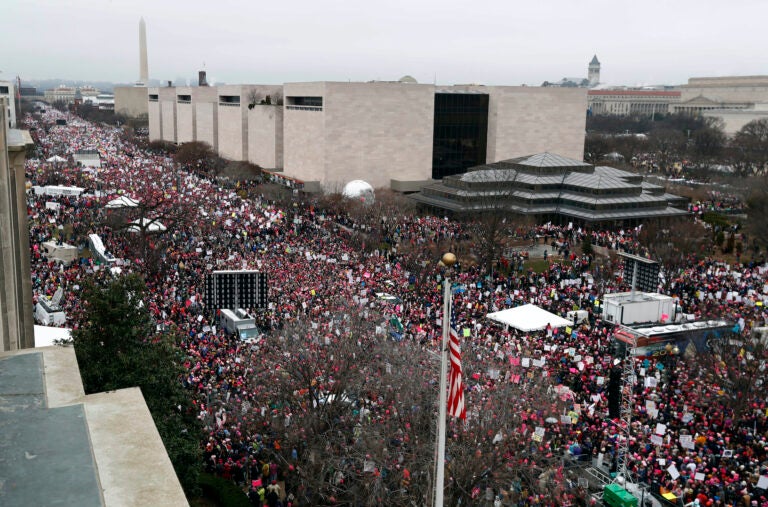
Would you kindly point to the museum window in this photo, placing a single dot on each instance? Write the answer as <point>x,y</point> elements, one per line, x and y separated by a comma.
<point>184,99</point>
<point>229,100</point>
<point>153,98</point>
<point>4,90</point>
<point>460,133</point>
<point>304,103</point>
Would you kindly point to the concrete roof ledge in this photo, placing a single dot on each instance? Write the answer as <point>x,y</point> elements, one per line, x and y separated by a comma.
<point>18,140</point>
<point>133,467</point>
<point>106,444</point>
<point>63,385</point>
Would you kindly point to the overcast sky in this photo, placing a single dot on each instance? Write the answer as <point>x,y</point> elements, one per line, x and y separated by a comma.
<point>500,42</point>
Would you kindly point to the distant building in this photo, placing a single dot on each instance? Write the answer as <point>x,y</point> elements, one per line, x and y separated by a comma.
<point>592,79</point>
<point>700,104</point>
<point>60,94</point>
<point>8,92</point>
<point>131,101</point>
<point>68,94</point>
<point>626,102</point>
<point>553,188</point>
<point>705,94</point>
<point>400,134</point>
<point>593,71</point>
<point>727,90</point>
<point>104,101</point>
<point>735,119</point>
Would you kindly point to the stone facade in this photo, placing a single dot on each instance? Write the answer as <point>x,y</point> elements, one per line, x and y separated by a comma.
<point>16,320</point>
<point>369,131</point>
<point>168,113</point>
<point>205,101</point>
<point>154,114</point>
<point>329,133</point>
<point>131,101</point>
<point>523,120</point>
<point>233,117</point>
<point>185,115</point>
<point>265,136</point>
<point>383,132</point>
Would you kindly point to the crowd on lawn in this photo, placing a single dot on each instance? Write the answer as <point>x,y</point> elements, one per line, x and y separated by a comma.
<point>311,264</point>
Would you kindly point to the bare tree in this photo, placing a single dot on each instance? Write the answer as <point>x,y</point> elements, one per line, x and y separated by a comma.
<point>495,216</point>
<point>355,415</point>
<point>668,144</point>
<point>194,153</point>
<point>757,206</point>
<point>158,213</point>
<point>355,408</point>
<point>671,241</point>
<point>254,98</point>
<point>596,146</point>
<point>733,369</point>
<point>751,145</point>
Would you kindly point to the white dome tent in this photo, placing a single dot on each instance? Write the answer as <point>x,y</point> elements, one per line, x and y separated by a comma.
<point>149,225</point>
<point>123,201</point>
<point>359,190</point>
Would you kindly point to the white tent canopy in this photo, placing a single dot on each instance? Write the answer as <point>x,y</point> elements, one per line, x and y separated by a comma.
<point>56,158</point>
<point>45,335</point>
<point>528,318</point>
<point>123,201</point>
<point>150,225</point>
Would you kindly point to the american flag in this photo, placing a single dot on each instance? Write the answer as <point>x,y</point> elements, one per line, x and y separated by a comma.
<point>455,386</point>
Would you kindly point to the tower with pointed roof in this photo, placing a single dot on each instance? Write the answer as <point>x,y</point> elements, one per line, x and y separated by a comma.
<point>593,72</point>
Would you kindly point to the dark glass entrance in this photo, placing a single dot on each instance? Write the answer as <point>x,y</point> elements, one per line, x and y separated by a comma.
<point>461,132</point>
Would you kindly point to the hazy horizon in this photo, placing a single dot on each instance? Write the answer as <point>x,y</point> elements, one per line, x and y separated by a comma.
<point>491,42</point>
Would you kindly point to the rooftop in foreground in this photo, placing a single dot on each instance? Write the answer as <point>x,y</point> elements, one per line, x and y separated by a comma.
<point>61,447</point>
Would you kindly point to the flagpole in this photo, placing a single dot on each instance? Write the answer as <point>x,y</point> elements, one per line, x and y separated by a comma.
<point>448,260</point>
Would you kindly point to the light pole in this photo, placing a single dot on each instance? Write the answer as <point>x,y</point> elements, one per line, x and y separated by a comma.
<point>448,260</point>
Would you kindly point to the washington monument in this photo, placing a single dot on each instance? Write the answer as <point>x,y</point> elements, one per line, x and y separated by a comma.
<point>143,67</point>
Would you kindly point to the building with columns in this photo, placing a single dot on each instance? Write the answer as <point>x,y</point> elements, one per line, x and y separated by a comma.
<point>627,102</point>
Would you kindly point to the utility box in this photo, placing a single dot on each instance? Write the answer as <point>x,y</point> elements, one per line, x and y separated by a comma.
<point>60,252</point>
<point>616,496</point>
<point>642,308</point>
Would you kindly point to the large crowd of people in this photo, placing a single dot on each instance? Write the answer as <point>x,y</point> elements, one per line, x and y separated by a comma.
<point>311,265</point>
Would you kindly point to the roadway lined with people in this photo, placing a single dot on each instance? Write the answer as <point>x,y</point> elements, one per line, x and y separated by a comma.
<point>312,266</point>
